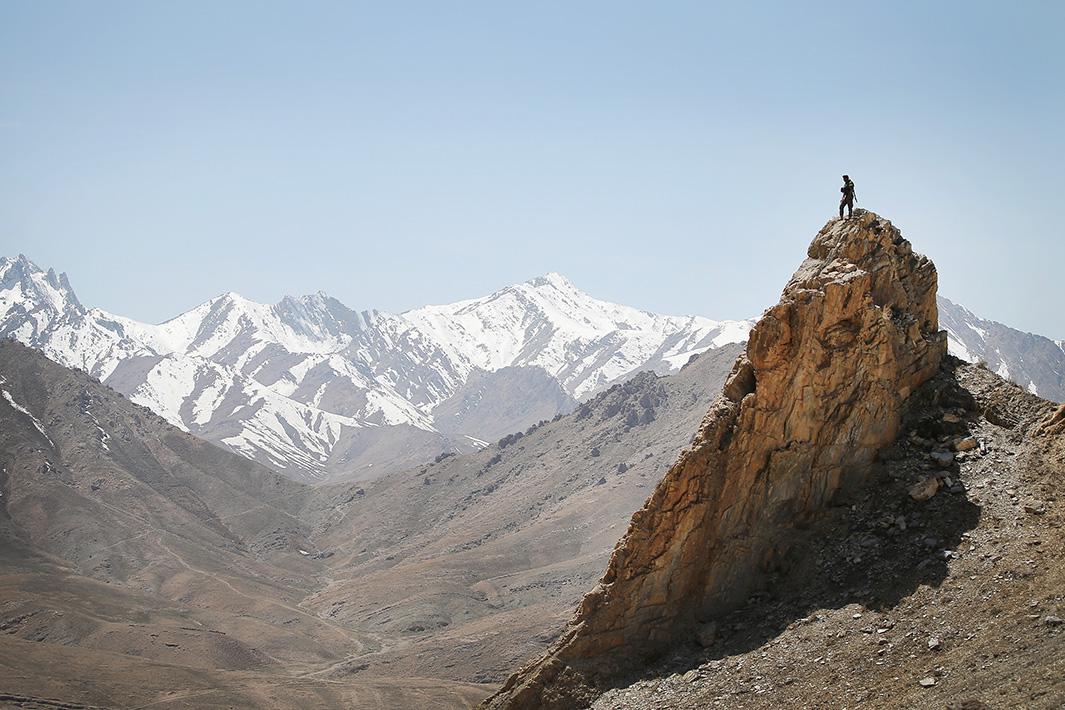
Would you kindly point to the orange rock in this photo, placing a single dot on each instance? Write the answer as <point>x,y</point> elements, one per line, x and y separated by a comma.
<point>1054,423</point>
<point>818,393</point>
<point>925,488</point>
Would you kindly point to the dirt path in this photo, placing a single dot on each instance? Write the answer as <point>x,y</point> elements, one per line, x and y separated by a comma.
<point>187,695</point>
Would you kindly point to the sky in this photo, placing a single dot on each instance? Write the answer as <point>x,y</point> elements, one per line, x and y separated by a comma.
<point>674,156</point>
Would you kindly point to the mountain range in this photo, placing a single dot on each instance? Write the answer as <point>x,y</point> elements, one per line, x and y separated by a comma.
<point>150,567</point>
<point>141,566</point>
<point>319,391</point>
<point>315,389</point>
<point>1032,361</point>
<point>853,524</point>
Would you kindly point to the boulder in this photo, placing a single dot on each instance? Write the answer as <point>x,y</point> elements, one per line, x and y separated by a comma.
<point>943,459</point>
<point>925,488</point>
<point>1053,424</point>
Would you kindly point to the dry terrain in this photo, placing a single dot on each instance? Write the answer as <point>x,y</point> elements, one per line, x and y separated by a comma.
<point>853,494</point>
<point>472,564</point>
<point>140,565</point>
<point>956,601</point>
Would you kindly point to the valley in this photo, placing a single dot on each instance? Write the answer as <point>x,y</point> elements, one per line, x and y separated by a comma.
<point>141,566</point>
<point>124,537</point>
<point>531,356</point>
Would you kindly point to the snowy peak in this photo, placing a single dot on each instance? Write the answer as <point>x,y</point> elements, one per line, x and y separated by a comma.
<point>34,303</point>
<point>24,284</point>
<point>315,388</point>
<point>299,325</point>
<point>552,280</point>
<point>1031,361</point>
<point>587,343</point>
<point>319,390</point>
<point>320,315</point>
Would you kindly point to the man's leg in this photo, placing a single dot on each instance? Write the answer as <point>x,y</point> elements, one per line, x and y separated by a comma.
<point>841,203</point>
<point>850,208</point>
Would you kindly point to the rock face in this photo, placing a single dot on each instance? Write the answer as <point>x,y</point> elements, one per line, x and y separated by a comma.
<point>817,394</point>
<point>1054,423</point>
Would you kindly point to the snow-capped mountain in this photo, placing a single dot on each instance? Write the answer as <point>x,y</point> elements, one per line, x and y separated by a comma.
<point>1032,361</point>
<point>585,343</point>
<point>319,391</point>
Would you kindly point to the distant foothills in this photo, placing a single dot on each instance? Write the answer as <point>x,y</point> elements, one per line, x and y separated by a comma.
<point>322,392</point>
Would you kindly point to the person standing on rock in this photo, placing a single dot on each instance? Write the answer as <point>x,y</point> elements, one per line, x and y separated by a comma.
<point>848,197</point>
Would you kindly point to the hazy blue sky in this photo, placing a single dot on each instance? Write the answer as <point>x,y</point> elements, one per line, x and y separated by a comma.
<point>676,156</point>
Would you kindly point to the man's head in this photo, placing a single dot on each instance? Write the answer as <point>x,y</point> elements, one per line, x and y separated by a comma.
<point>846,177</point>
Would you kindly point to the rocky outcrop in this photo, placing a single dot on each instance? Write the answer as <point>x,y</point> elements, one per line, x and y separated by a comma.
<point>1054,424</point>
<point>817,394</point>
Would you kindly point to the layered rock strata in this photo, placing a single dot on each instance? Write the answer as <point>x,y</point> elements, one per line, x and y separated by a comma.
<point>802,416</point>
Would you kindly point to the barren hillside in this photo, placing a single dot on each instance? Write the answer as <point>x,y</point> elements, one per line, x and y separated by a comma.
<point>844,393</point>
<point>139,565</point>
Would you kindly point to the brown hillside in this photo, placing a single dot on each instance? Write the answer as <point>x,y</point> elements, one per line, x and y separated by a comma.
<point>822,391</point>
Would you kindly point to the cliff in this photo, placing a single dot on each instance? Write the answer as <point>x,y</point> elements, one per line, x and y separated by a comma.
<point>817,394</point>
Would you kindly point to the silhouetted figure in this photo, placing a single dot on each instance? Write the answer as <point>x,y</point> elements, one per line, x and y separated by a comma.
<point>848,197</point>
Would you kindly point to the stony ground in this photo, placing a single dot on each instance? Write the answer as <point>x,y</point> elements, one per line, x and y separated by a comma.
<point>904,600</point>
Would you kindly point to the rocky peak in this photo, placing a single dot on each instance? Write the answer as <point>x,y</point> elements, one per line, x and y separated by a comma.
<point>552,279</point>
<point>27,288</point>
<point>817,394</point>
<point>1032,361</point>
<point>321,315</point>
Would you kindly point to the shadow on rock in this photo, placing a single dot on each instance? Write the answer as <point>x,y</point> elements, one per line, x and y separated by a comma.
<point>874,547</point>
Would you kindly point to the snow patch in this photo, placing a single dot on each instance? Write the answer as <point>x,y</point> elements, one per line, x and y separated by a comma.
<point>956,348</point>
<point>19,408</point>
